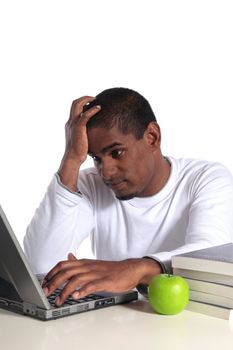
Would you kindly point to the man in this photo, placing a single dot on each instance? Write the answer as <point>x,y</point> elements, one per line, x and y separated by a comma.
<point>139,207</point>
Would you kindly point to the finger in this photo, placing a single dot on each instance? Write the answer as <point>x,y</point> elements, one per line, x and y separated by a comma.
<point>56,277</point>
<point>77,106</point>
<point>66,264</point>
<point>84,117</point>
<point>93,286</point>
<point>65,274</point>
<point>62,265</point>
<point>71,287</point>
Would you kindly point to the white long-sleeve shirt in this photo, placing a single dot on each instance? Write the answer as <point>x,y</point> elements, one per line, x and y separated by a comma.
<point>192,211</point>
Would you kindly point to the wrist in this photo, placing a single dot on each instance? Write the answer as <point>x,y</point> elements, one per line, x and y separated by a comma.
<point>68,173</point>
<point>75,191</point>
<point>150,268</point>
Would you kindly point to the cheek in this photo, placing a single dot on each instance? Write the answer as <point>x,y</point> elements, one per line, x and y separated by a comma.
<point>139,173</point>
<point>144,171</point>
<point>139,166</point>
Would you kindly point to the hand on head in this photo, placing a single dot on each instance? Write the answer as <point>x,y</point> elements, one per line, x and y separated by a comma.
<point>76,141</point>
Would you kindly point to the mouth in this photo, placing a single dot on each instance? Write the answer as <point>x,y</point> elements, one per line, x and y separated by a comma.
<point>116,185</point>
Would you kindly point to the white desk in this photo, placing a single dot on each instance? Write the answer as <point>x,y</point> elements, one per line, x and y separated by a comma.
<point>125,327</point>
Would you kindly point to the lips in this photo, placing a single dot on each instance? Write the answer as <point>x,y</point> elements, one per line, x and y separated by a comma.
<point>116,185</point>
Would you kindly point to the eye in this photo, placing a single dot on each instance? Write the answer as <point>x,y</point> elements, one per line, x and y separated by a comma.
<point>96,159</point>
<point>117,153</point>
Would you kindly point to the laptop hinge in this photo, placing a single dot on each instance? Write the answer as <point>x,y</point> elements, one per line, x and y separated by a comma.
<point>29,309</point>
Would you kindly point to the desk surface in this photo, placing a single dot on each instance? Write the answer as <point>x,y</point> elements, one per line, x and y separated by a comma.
<point>129,326</point>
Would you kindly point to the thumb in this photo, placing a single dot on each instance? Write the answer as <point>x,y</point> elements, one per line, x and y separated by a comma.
<point>71,257</point>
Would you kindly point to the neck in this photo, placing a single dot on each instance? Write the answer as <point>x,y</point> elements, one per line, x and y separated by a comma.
<point>159,177</point>
<point>162,173</point>
<point>165,173</point>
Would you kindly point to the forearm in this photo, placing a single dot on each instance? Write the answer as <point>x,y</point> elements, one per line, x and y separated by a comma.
<point>68,173</point>
<point>210,218</point>
<point>52,232</point>
<point>164,258</point>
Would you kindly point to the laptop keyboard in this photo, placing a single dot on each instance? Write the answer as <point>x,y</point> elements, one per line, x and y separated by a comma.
<point>70,300</point>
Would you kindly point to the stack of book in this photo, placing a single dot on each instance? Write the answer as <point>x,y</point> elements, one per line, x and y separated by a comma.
<point>209,273</point>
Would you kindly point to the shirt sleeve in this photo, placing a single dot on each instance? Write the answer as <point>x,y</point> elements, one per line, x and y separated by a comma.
<point>62,221</point>
<point>210,220</point>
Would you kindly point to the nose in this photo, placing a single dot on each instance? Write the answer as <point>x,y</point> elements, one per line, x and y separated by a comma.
<point>107,169</point>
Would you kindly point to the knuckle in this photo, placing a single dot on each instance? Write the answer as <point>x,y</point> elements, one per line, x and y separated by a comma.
<point>65,293</point>
<point>86,290</point>
<point>64,274</point>
<point>90,287</point>
<point>68,290</point>
<point>52,286</point>
<point>60,265</point>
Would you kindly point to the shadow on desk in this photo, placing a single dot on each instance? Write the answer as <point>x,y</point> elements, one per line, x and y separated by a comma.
<point>141,305</point>
<point>7,313</point>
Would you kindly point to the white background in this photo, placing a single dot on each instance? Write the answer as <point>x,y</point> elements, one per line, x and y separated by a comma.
<point>178,54</point>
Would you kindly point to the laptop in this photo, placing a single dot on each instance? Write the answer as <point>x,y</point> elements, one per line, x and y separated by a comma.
<point>21,291</point>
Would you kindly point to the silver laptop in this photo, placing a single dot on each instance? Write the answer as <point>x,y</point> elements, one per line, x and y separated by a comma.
<point>21,292</point>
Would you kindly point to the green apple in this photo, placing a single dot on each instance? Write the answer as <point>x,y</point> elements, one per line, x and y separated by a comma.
<point>168,294</point>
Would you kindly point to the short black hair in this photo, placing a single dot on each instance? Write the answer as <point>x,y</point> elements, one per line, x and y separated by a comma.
<point>123,108</point>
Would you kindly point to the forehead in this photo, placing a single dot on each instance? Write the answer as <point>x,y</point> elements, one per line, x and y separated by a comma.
<point>100,139</point>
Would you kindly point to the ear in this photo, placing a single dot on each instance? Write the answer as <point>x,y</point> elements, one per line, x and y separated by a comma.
<point>152,135</point>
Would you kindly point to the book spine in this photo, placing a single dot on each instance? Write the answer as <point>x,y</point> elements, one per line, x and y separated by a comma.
<point>204,276</point>
<point>211,299</point>
<point>210,310</point>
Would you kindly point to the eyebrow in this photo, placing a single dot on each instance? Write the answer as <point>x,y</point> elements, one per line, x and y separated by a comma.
<point>107,148</point>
